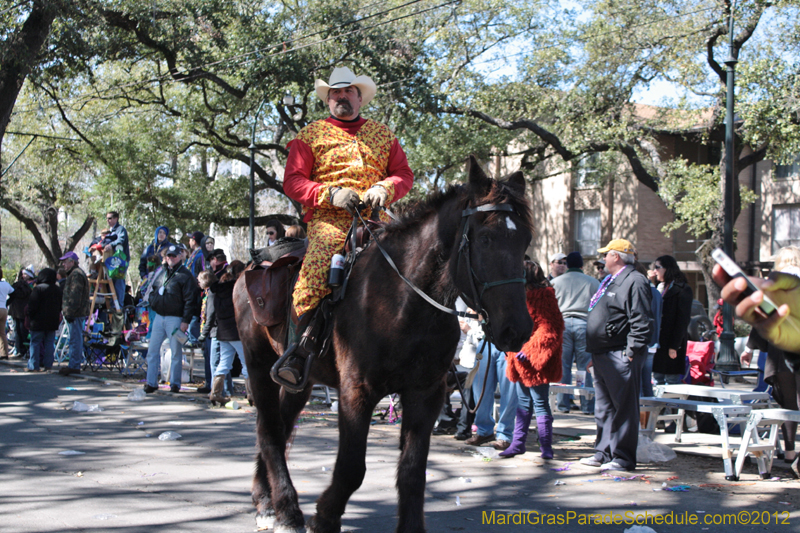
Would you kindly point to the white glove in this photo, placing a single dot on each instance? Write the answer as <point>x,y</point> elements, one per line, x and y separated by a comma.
<point>376,196</point>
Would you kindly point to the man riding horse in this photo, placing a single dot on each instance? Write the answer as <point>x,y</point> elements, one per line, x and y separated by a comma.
<point>334,164</point>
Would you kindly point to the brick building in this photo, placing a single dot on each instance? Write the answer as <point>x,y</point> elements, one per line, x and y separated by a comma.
<point>571,213</point>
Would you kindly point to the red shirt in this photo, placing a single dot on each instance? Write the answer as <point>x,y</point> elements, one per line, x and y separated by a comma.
<point>299,185</point>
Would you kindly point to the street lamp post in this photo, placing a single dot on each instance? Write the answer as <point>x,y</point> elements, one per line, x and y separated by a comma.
<point>727,359</point>
<point>252,148</point>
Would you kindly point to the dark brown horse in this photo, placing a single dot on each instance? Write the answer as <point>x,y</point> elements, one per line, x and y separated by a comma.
<point>387,339</point>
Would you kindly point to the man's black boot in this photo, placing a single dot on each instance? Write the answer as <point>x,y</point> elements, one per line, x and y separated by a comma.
<point>300,342</point>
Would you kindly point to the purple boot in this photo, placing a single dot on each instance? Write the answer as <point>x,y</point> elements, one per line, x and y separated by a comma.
<point>521,425</point>
<point>544,425</point>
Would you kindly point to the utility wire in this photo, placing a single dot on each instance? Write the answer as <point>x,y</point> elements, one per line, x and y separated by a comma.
<point>587,38</point>
<point>281,45</point>
<point>168,78</point>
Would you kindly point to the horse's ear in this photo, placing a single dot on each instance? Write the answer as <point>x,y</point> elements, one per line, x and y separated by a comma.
<point>478,179</point>
<point>515,182</point>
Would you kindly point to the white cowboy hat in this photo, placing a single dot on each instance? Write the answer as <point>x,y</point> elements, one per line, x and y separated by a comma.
<point>344,77</point>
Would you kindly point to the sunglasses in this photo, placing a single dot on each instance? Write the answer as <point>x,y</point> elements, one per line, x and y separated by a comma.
<point>271,233</point>
<point>561,262</point>
<point>657,267</point>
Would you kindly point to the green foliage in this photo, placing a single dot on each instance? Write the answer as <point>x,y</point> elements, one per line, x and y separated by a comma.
<point>163,92</point>
<point>693,193</point>
<point>771,102</point>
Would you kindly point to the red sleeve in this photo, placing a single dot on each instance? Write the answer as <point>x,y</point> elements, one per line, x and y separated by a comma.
<point>297,182</point>
<point>398,172</point>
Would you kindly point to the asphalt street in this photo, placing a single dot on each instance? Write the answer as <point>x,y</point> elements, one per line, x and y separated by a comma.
<point>98,471</point>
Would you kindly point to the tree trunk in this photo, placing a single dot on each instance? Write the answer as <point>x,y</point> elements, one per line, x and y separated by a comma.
<point>19,54</point>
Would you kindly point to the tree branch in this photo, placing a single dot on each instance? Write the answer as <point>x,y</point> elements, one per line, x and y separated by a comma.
<point>73,239</point>
<point>20,54</point>
<point>125,22</point>
<point>17,212</point>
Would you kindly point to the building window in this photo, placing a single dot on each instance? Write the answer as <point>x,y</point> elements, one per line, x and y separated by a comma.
<point>785,226</point>
<point>586,172</point>
<point>587,231</point>
<point>792,170</point>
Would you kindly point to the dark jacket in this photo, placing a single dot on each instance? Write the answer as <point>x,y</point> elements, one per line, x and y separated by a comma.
<point>179,295</point>
<point>75,298</point>
<point>118,238</point>
<point>226,318</point>
<point>206,253</point>
<point>621,319</point>
<point>209,330</point>
<point>152,249</point>
<point>18,299</point>
<point>676,313</point>
<point>44,305</point>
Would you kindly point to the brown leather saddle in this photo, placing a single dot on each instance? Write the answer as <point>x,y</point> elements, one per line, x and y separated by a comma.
<point>270,281</point>
<point>269,286</point>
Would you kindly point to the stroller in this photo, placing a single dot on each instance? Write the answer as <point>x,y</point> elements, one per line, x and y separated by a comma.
<point>104,342</point>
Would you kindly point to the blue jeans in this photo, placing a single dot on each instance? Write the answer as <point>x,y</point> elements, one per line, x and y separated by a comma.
<point>76,342</point>
<point>647,375</point>
<point>194,329</point>
<point>667,379</point>
<point>534,399</point>
<point>227,350</point>
<point>495,362</point>
<point>574,350</point>
<point>119,288</point>
<point>215,357</point>
<point>43,346</point>
<point>207,360</point>
<point>162,328</point>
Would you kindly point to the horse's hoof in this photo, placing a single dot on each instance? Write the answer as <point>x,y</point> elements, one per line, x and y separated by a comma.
<point>265,520</point>
<point>288,529</point>
<point>313,526</point>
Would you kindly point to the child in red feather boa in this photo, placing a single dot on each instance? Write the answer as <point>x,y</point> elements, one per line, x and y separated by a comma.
<point>537,365</point>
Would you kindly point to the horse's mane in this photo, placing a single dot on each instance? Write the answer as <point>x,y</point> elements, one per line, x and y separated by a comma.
<point>411,212</point>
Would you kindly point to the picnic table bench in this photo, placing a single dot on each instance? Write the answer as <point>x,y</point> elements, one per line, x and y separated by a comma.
<point>723,413</point>
<point>560,388</point>
<point>752,443</point>
<point>734,396</point>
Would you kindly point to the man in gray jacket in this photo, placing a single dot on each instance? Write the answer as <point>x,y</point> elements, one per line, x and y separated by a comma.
<point>574,291</point>
<point>618,329</point>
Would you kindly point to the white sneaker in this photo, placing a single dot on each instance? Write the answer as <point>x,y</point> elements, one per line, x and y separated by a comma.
<point>590,461</point>
<point>612,465</point>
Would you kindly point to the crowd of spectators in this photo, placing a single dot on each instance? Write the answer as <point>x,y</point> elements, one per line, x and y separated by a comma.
<point>619,323</point>
<point>184,299</point>
<point>624,324</point>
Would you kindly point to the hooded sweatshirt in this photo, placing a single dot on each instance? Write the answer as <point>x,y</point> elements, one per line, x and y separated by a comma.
<point>44,304</point>
<point>152,249</point>
<point>206,253</point>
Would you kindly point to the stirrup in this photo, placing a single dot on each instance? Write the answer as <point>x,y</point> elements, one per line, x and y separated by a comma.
<point>289,386</point>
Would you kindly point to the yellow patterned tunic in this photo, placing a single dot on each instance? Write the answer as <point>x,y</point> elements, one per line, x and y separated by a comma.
<point>333,153</point>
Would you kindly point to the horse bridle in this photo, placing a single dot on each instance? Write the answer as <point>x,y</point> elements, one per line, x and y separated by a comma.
<point>463,251</point>
<point>473,302</point>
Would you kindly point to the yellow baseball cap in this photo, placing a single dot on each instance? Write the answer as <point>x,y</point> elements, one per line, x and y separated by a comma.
<point>618,245</point>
